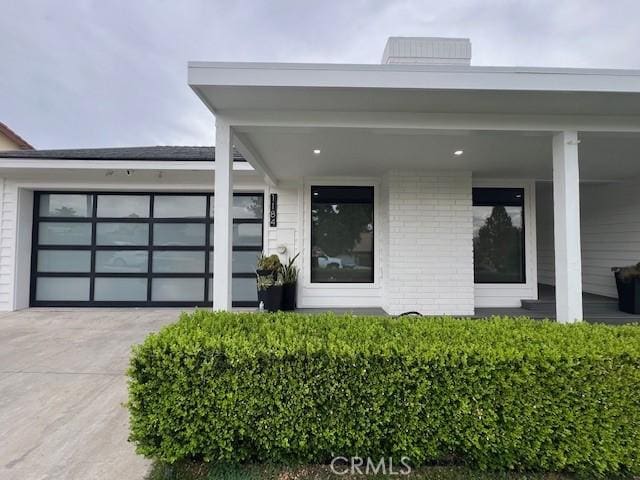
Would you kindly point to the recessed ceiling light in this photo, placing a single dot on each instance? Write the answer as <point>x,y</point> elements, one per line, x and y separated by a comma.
<point>458,152</point>
<point>316,151</point>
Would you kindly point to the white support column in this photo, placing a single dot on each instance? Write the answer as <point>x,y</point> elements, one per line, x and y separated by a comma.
<point>223,229</point>
<point>566,209</point>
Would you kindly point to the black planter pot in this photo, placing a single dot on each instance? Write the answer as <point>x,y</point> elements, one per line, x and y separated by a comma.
<point>628,295</point>
<point>289,295</point>
<point>271,298</point>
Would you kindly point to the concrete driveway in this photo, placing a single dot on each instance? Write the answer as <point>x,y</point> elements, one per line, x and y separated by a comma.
<point>62,385</point>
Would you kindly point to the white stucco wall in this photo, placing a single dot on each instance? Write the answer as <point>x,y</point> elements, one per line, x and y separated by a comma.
<point>430,265</point>
<point>610,230</point>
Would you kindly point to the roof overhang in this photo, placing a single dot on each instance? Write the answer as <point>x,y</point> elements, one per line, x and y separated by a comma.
<point>238,87</point>
<point>372,118</point>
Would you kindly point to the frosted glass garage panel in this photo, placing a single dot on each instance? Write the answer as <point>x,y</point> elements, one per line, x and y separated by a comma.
<point>244,234</point>
<point>179,234</point>
<point>247,234</point>
<point>64,233</point>
<point>62,289</point>
<point>178,262</point>
<point>64,261</point>
<point>241,262</point>
<point>122,261</point>
<point>244,206</point>
<point>123,206</point>
<point>122,234</point>
<point>243,290</point>
<point>177,289</point>
<point>179,206</point>
<point>65,205</point>
<point>113,289</point>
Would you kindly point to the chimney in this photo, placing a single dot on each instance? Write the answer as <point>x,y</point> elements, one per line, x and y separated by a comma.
<point>427,51</point>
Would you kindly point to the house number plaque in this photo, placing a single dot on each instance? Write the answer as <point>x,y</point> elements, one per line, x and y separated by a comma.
<point>273,211</point>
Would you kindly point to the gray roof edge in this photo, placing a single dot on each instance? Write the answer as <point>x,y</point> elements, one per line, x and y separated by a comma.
<point>154,153</point>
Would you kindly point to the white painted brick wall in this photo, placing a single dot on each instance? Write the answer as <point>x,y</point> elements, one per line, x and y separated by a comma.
<point>430,264</point>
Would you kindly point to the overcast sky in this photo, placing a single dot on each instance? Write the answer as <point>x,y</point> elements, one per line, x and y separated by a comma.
<point>92,73</point>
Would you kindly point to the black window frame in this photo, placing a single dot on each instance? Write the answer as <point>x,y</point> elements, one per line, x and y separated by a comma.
<point>373,233</point>
<point>207,248</point>
<point>505,197</point>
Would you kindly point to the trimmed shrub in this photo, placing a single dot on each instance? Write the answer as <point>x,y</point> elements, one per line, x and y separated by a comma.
<point>288,388</point>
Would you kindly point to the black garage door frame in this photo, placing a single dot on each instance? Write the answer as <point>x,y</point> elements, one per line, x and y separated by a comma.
<point>150,248</point>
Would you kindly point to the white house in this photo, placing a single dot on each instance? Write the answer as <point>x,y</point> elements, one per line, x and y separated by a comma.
<point>422,183</point>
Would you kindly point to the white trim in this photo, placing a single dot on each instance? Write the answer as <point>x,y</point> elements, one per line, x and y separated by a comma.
<point>22,248</point>
<point>306,231</point>
<point>450,77</point>
<point>488,295</point>
<point>54,164</point>
<point>435,121</point>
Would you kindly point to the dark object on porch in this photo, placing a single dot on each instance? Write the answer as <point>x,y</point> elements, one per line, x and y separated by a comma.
<point>628,284</point>
<point>268,282</point>
<point>271,297</point>
<point>289,300</point>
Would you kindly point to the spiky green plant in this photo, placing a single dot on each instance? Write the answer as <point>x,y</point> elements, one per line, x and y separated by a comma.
<point>289,272</point>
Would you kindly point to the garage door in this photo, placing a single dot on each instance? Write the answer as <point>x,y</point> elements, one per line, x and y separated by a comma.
<point>138,249</point>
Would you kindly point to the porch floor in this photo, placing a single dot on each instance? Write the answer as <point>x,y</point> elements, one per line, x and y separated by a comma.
<point>597,309</point>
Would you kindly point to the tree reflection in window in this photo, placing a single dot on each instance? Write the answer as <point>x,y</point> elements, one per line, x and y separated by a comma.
<point>342,234</point>
<point>498,236</point>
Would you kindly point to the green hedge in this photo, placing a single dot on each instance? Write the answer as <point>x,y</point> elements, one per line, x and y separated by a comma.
<point>288,388</point>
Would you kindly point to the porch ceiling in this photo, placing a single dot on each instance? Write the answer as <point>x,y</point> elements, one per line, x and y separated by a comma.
<point>288,152</point>
<point>368,119</point>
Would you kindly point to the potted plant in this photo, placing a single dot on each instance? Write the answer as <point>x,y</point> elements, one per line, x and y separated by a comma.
<point>289,276</point>
<point>268,266</point>
<point>269,283</point>
<point>628,283</point>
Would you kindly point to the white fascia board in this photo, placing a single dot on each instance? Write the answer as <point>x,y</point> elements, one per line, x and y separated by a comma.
<point>54,164</point>
<point>433,77</point>
<point>435,121</point>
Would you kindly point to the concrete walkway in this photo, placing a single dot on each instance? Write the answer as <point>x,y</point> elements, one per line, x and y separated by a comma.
<point>62,385</point>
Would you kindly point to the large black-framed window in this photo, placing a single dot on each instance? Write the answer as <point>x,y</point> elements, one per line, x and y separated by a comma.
<point>499,235</point>
<point>138,248</point>
<point>342,234</point>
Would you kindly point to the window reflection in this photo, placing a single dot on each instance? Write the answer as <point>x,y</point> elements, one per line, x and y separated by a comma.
<point>498,236</point>
<point>342,234</point>
<point>66,205</point>
<point>121,206</point>
<point>122,234</point>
